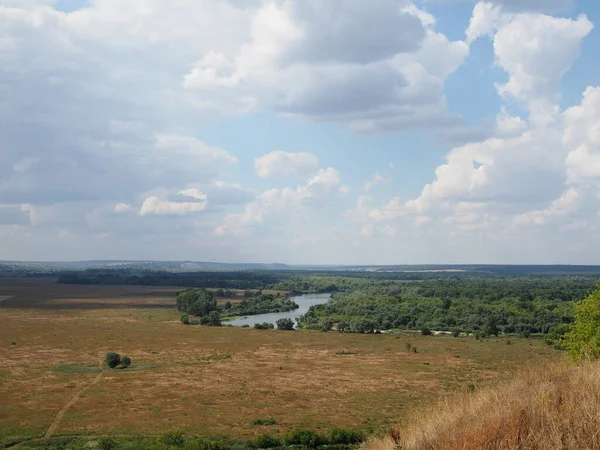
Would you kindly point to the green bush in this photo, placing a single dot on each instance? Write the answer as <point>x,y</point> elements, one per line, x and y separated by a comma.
<point>264,422</point>
<point>214,319</point>
<point>185,319</point>
<point>456,332</point>
<point>264,326</point>
<point>556,336</point>
<point>205,444</point>
<point>582,341</point>
<point>125,362</point>
<point>172,438</point>
<point>107,443</point>
<point>112,359</point>
<point>426,331</point>
<point>347,437</point>
<point>306,438</point>
<point>285,324</point>
<point>327,324</point>
<point>265,441</point>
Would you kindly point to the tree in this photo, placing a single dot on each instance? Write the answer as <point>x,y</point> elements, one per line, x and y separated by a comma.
<point>112,359</point>
<point>583,340</point>
<point>327,324</point>
<point>285,324</point>
<point>214,319</point>
<point>490,327</point>
<point>199,302</point>
<point>125,362</point>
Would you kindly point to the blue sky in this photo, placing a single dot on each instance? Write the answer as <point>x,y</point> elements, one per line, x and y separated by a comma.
<point>447,131</point>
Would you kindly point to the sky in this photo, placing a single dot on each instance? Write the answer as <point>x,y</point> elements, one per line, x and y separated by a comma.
<point>300,131</point>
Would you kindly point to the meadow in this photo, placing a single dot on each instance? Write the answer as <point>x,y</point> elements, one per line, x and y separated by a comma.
<point>215,381</point>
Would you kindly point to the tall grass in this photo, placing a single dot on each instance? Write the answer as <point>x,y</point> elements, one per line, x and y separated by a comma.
<point>551,407</point>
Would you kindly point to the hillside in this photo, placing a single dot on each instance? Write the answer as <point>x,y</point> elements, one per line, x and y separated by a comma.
<point>554,407</point>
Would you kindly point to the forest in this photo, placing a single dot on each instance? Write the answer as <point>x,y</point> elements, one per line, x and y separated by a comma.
<point>504,300</point>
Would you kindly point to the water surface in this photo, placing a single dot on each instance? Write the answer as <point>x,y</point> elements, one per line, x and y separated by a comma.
<point>304,302</point>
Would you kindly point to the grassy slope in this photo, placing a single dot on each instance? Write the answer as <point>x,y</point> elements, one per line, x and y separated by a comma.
<point>550,407</point>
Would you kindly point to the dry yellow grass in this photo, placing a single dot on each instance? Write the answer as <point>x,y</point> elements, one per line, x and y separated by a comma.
<point>552,407</point>
<point>215,381</point>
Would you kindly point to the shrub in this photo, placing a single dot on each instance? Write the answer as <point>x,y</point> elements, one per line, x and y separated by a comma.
<point>327,324</point>
<point>265,441</point>
<point>185,319</point>
<point>556,335</point>
<point>525,333</point>
<point>582,341</point>
<point>264,422</point>
<point>205,444</point>
<point>106,443</point>
<point>172,438</point>
<point>112,359</point>
<point>347,437</point>
<point>408,346</point>
<point>125,362</point>
<point>285,324</point>
<point>214,319</point>
<point>264,326</point>
<point>306,438</point>
<point>195,322</point>
<point>426,331</point>
<point>456,332</point>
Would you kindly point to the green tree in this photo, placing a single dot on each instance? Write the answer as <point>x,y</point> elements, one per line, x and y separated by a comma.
<point>583,340</point>
<point>112,359</point>
<point>285,324</point>
<point>490,327</point>
<point>327,324</point>
<point>125,362</point>
<point>214,319</point>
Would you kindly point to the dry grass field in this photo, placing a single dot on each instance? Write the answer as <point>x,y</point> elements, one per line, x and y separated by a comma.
<point>214,381</point>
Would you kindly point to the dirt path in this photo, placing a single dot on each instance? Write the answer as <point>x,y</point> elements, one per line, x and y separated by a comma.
<point>61,413</point>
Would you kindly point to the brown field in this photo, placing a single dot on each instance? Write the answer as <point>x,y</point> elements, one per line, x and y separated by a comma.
<point>214,381</point>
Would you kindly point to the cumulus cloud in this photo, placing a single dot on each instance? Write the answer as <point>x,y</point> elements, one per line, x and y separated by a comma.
<point>279,164</point>
<point>535,50</point>
<point>153,205</point>
<point>362,72</point>
<point>276,205</point>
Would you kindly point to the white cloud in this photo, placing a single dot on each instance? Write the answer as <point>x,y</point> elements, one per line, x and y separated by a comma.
<point>297,64</point>
<point>124,208</point>
<point>279,164</point>
<point>374,181</point>
<point>537,51</point>
<point>278,205</point>
<point>153,205</point>
<point>485,20</point>
<point>563,206</point>
<point>507,125</point>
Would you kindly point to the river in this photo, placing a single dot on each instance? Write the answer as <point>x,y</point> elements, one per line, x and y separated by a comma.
<point>304,302</point>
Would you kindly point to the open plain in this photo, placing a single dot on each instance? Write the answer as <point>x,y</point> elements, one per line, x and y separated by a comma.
<point>214,381</point>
